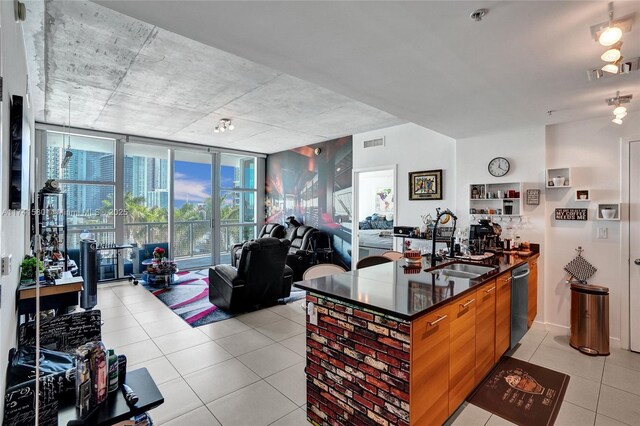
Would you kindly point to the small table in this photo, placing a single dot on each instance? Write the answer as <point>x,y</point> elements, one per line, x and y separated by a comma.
<point>115,409</point>
<point>158,279</point>
<point>58,296</point>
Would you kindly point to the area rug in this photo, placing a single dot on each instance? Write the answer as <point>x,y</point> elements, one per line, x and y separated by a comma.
<point>188,297</point>
<point>521,392</point>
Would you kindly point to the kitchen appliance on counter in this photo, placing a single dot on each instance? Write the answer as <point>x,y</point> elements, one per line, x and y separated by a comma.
<point>519,303</point>
<point>482,236</point>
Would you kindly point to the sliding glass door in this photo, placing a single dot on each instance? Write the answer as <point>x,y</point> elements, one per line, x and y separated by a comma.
<point>192,208</point>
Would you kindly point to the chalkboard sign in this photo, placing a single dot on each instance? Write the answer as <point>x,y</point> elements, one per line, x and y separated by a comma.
<point>63,333</point>
<point>571,214</point>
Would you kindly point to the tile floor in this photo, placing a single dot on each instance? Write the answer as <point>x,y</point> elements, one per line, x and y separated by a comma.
<point>249,370</point>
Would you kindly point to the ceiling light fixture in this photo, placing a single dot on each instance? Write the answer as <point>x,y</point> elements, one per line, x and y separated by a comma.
<point>612,54</point>
<point>223,125</point>
<point>611,34</point>
<point>479,14</point>
<point>619,111</point>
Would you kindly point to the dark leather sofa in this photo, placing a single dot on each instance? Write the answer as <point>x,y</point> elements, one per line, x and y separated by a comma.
<point>262,277</point>
<point>274,230</point>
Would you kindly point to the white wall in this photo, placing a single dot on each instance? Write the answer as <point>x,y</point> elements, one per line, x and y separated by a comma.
<point>524,148</point>
<point>370,183</point>
<point>412,148</point>
<point>13,228</point>
<point>592,148</point>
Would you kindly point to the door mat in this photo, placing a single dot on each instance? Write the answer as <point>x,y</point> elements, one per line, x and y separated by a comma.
<point>521,392</point>
<point>188,297</point>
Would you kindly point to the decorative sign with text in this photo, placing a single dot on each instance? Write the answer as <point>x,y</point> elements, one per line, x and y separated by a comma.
<point>571,214</point>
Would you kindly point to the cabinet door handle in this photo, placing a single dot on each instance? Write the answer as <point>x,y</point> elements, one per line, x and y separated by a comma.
<point>440,318</point>
<point>464,305</point>
<point>489,290</point>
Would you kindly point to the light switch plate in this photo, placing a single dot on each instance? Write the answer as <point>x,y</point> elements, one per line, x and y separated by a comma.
<point>313,313</point>
<point>603,233</point>
<point>6,265</point>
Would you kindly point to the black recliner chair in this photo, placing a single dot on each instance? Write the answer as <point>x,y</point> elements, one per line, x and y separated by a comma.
<point>274,230</point>
<point>262,277</point>
<point>301,250</point>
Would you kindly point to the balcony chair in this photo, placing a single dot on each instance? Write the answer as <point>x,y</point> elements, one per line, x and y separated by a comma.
<point>274,230</point>
<point>262,277</point>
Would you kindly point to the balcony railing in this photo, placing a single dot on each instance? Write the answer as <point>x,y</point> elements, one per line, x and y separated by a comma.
<point>192,238</point>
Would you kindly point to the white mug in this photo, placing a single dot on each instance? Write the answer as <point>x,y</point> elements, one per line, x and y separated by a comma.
<point>500,194</point>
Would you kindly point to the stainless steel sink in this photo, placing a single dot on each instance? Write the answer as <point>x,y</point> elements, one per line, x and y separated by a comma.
<point>462,270</point>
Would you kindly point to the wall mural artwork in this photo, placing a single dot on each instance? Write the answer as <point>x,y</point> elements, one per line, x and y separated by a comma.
<point>313,184</point>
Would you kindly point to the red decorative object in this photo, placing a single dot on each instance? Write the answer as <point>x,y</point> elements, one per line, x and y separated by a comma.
<point>158,253</point>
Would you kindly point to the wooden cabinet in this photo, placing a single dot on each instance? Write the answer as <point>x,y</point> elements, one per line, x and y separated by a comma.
<point>503,314</point>
<point>462,347</point>
<point>429,395</point>
<point>532,308</point>
<point>485,329</point>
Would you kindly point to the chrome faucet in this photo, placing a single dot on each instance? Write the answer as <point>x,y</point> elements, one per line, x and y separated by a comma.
<point>433,234</point>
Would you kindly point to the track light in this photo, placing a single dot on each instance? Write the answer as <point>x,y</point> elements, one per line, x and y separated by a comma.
<point>611,55</point>
<point>610,68</point>
<point>619,111</point>
<point>223,125</point>
<point>612,34</point>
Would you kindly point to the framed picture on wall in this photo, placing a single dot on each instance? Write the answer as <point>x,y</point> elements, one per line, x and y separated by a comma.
<point>425,185</point>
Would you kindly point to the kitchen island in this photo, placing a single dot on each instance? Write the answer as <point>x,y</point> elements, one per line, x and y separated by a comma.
<point>395,344</point>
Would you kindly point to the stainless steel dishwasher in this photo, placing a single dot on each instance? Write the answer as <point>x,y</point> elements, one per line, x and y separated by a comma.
<point>519,303</point>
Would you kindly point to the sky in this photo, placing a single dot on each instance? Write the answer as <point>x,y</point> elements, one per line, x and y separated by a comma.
<point>192,181</point>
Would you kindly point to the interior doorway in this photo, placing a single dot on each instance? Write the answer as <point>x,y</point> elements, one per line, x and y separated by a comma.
<point>374,211</point>
<point>634,245</point>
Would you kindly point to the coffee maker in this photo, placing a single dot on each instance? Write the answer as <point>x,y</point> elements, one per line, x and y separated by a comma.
<point>482,237</point>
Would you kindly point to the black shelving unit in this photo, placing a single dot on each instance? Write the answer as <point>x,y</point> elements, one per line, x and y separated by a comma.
<point>52,209</point>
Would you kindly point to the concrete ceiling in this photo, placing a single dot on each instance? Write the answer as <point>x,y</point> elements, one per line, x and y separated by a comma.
<point>127,76</point>
<point>426,62</point>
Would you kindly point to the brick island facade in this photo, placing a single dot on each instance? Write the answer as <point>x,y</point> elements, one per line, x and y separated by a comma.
<point>357,366</point>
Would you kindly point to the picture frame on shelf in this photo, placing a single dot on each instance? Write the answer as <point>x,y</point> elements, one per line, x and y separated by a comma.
<point>425,185</point>
<point>533,197</point>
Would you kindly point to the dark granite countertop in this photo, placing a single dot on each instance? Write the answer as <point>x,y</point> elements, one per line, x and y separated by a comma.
<point>406,292</point>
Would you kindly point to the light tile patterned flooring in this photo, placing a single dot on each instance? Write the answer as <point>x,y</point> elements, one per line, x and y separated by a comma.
<point>249,370</point>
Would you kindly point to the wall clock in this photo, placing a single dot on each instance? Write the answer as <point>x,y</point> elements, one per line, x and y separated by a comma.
<point>499,166</point>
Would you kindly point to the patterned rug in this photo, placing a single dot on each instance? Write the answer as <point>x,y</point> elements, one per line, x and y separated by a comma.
<point>188,297</point>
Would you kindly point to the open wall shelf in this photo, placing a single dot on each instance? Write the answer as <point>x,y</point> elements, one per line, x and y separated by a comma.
<point>613,207</point>
<point>495,199</point>
<point>558,173</point>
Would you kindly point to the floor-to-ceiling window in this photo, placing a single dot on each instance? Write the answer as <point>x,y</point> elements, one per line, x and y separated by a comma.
<point>236,201</point>
<point>145,189</point>
<point>84,167</point>
<point>199,201</point>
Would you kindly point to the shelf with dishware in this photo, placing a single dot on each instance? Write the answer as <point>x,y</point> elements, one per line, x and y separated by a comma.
<point>495,199</point>
<point>610,211</point>
<point>582,195</point>
<point>558,178</point>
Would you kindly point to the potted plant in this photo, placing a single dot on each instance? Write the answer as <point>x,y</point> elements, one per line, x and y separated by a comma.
<point>28,269</point>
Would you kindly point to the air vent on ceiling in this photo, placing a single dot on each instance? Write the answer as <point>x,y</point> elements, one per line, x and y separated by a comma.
<point>374,142</point>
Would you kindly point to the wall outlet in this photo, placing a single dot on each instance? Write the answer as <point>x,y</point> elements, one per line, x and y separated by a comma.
<point>313,313</point>
<point>603,233</point>
<point>6,265</point>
